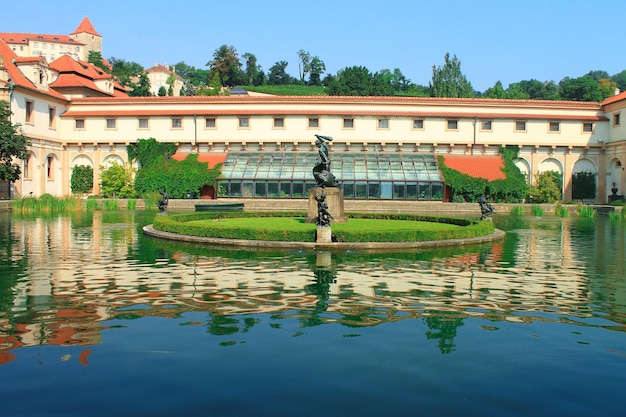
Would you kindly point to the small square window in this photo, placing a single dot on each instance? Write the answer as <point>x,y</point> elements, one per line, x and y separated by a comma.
<point>616,121</point>
<point>279,122</point>
<point>79,124</point>
<point>453,124</point>
<point>111,123</point>
<point>587,127</point>
<point>244,122</point>
<point>486,125</point>
<point>348,123</point>
<point>383,123</point>
<point>314,122</point>
<point>418,123</point>
<point>177,123</point>
<point>520,126</point>
<point>144,123</point>
<point>209,122</point>
<point>554,127</point>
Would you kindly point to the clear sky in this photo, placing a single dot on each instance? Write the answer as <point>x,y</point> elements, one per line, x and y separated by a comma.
<point>506,40</point>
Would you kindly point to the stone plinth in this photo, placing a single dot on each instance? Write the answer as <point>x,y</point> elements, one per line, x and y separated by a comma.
<point>334,199</point>
<point>324,234</point>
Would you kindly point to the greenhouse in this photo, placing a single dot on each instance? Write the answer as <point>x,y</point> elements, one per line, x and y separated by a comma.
<point>362,175</point>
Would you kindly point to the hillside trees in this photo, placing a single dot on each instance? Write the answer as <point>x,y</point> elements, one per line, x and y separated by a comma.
<point>449,81</point>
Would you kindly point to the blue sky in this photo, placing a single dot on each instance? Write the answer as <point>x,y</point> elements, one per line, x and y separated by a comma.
<point>504,40</point>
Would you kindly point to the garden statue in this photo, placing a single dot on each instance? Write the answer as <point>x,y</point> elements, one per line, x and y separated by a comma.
<point>486,209</point>
<point>323,216</point>
<point>162,204</point>
<point>321,171</point>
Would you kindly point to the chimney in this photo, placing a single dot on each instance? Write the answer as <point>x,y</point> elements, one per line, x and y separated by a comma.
<point>617,91</point>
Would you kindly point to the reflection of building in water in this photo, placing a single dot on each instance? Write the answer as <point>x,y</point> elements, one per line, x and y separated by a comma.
<point>83,270</point>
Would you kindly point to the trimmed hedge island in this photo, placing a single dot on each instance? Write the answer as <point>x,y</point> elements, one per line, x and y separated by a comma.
<point>292,227</point>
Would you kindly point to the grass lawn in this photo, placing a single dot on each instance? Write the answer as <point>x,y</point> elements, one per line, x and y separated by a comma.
<point>299,224</point>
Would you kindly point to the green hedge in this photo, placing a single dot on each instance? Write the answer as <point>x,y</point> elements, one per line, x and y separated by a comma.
<point>186,224</point>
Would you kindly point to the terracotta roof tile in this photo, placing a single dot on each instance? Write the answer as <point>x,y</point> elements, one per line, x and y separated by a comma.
<point>86,27</point>
<point>211,158</point>
<point>487,167</point>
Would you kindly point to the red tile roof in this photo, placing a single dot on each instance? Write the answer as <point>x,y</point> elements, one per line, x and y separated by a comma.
<point>86,27</point>
<point>211,158</point>
<point>487,167</point>
<point>23,38</point>
<point>613,99</point>
<point>16,75</point>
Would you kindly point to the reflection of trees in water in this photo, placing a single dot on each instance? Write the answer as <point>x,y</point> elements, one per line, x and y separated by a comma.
<point>443,326</point>
<point>12,264</point>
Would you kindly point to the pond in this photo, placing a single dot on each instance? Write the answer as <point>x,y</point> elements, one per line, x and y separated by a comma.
<point>97,319</point>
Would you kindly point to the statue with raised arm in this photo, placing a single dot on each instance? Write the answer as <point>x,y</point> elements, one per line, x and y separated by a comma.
<point>321,171</point>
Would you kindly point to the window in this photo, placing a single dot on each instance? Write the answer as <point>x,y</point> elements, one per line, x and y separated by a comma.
<point>177,123</point>
<point>383,123</point>
<point>279,122</point>
<point>452,124</point>
<point>418,124</point>
<point>348,123</point>
<point>30,111</point>
<point>587,127</point>
<point>26,170</point>
<point>144,123</point>
<point>79,124</point>
<point>520,126</point>
<point>244,122</point>
<point>209,123</point>
<point>314,122</point>
<point>485,125</point>
<point>52,112</point>
<point>616,120</point>
<point>554,127</point>
<point>50,161</point>
<point>111,124</point>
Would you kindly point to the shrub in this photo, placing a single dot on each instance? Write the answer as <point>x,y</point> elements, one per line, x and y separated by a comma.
<point>547,187</point>
<point>82,179</point>
<point>117,181</point>
<point>536,210</point>
<point>586,212</point>
<point>517,211</point>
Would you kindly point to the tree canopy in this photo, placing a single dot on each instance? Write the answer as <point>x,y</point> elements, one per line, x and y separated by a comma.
<point>13,145</point>
<point>449,81</point>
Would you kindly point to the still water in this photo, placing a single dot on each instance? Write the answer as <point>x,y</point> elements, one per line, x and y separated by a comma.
<point>97,319</point>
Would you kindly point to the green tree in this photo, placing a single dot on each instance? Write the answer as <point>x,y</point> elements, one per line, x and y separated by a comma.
<point>124,71</point>
<point>534,90</point>
<point>95,58</point>
<point>13,145</point>
<point>117,181</point>
<point>547,187</point>
<point>497,91</point>
<point>449,81</point>
<point>142,88</point>
<point>162,91</point>
<point>620,80</point>
<point>226,63</point>
<point>252,69</point>
<point>351,81</point>
<point>317,70</point>
<point>278,74</point>
<point>583,88</point>
<point>82,179</point>
<point>304,64</point>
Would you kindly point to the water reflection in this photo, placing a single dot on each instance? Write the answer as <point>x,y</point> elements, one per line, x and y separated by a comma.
<point>65,277</point>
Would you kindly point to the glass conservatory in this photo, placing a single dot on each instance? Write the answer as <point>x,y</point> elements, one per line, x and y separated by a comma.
<point>362,175</point>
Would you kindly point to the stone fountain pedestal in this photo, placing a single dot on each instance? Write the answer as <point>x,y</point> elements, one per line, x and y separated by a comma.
<point>334,199</point>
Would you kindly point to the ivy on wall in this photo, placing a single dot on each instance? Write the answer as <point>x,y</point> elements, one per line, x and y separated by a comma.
<point>512,189</point>
<point>158,172</point>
